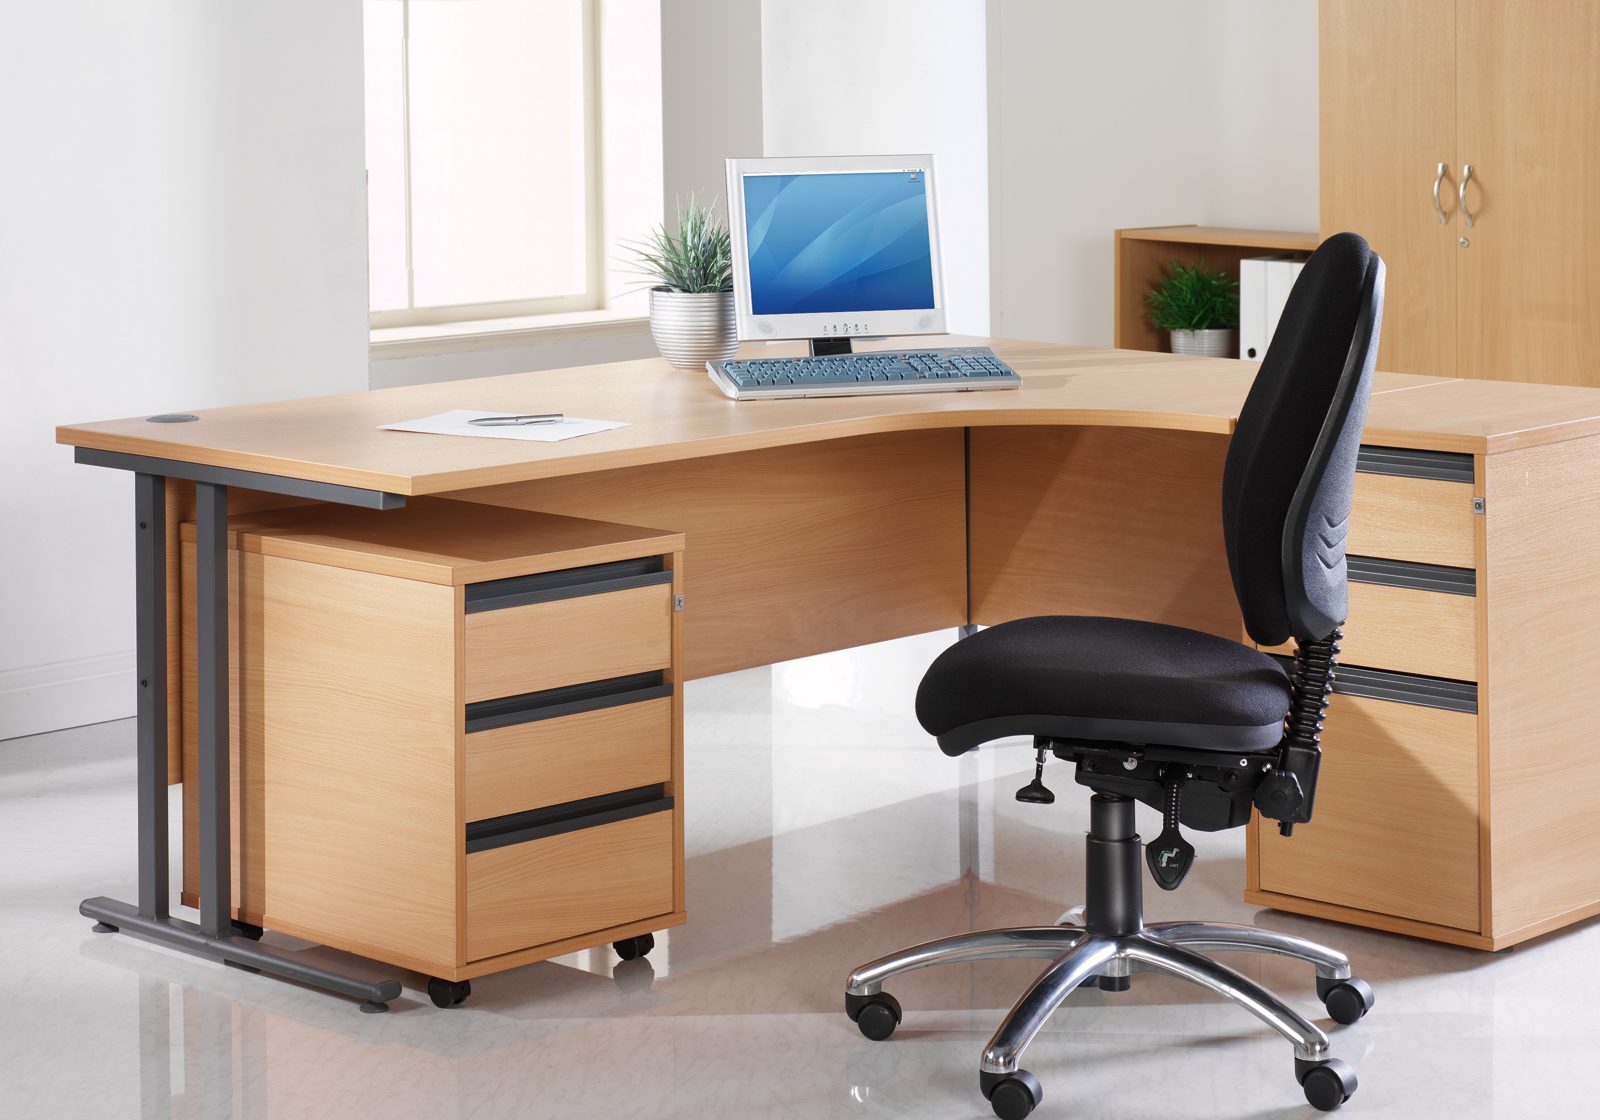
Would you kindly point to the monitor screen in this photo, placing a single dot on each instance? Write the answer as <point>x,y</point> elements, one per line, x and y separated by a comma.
<point>838,242</point>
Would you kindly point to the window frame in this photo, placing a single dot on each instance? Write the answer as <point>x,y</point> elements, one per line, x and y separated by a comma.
<point>593,298</point>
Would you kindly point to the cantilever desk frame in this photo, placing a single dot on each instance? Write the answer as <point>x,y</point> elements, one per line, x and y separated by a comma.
<point>215,937</point>
<point>329,450</point>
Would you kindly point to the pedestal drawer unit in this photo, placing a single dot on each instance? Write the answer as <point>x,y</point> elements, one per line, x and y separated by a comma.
<point>1458,773</point>
<point>1394,840</point>
<point>457,731</point>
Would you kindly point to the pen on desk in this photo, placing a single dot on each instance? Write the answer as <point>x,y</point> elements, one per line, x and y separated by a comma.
<point>500,421</point>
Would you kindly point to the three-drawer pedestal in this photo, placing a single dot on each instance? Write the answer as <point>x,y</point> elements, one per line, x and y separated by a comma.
<point>456,733</point>
<point>1395,835</point>
<point>1458,782</point>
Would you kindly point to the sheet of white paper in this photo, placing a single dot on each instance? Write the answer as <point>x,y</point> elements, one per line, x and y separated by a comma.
<point>456,422</point>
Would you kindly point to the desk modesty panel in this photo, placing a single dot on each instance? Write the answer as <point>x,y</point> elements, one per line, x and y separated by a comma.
<point>813,525</point>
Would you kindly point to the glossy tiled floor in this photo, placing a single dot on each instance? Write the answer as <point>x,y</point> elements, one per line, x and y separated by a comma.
<point>823,829</point>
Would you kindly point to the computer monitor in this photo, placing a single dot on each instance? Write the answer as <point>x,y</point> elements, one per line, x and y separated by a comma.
<point>830,248</point>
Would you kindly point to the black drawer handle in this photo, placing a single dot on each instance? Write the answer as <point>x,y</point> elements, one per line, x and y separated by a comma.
<point>568,700</point>
<point>1407,462</point>
<point>570,816</point>
<point>569,583</point>
<point>1412,575</point>
<point>1444,693</point>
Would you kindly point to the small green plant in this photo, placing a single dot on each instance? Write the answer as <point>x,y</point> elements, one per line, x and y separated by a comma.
<point>699,258</point>
<point>1194,298</point>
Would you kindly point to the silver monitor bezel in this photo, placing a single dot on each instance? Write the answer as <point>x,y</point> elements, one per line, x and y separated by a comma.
<point>928,320</point>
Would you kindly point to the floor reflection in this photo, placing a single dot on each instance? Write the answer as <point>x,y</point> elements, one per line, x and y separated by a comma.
<point>819,837</point>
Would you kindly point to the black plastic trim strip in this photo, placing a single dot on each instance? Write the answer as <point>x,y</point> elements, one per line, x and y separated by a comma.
<point>1417,577</point>
<point>568,583</point>
<point>568,700</point>
<point>1408,462</point>
<point>569,816</point>
<point>1401,688</point>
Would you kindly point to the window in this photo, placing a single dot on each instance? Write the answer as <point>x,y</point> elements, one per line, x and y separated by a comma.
<point>484,155</point>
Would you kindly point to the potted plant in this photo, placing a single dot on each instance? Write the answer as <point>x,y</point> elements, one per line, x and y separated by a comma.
<point>1199,306</point>
<point>691,294</point>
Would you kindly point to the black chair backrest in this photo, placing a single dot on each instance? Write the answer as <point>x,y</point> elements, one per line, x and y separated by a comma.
<point>1290,473</point>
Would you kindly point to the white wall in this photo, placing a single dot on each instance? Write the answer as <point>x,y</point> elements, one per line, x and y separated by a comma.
<point>181,226</point>
<point>845,77</point>
<point>1158,113</point>
<point>711,94</point>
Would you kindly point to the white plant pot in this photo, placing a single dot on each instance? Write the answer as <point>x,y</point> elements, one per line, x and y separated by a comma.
<point>1206,344</point>
<point>692,328</point>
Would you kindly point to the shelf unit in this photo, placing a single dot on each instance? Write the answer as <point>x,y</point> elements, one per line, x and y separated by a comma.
<point>1142,256</point>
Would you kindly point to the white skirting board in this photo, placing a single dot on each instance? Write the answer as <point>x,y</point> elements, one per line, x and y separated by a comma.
<point>40,698</point>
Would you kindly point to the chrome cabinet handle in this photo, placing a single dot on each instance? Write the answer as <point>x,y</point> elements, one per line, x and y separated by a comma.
<point>1461,192</point>
<point>1438,177</point>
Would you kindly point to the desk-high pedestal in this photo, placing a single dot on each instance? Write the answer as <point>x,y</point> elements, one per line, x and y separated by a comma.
<point>1456,776</point>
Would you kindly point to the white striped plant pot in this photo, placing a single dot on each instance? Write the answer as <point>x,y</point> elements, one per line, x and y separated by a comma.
<point>692,328</point>
<point>1206,344</point>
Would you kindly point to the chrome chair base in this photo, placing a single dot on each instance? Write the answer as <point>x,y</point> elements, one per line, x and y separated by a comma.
<point>1109,947</point>
<point>1081,957</point>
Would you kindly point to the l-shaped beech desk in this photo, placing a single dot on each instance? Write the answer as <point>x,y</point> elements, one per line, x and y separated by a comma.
<point>1459,789</point>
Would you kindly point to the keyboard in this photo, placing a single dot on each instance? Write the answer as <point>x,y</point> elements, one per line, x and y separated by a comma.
<point>954,369</point>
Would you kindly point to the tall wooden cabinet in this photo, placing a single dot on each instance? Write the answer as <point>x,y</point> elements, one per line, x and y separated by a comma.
<point>1501,277</point>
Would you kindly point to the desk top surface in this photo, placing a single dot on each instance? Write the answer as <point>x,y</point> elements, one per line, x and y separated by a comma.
<point>678,414</point>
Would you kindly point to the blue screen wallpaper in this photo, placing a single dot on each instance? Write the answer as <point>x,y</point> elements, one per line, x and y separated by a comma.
<point>827,243</point>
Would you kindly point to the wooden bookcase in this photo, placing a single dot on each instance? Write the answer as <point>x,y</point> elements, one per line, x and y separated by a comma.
<point>1142,256</point>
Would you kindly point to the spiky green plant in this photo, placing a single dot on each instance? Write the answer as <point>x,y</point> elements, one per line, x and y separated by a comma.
<point>699,258</point>
<point>1194,298</point>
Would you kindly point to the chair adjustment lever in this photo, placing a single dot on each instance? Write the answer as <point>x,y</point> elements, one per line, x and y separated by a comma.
<point>1036,792</point>
<point>1171,856</point>
<point>1279,797</point>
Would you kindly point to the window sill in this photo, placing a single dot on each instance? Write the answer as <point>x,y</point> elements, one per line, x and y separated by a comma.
<point>500,334</point>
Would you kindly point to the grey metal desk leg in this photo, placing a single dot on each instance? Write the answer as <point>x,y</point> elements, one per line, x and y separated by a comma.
<point>967,805</point>
<point>967,816</point>
<point>211,682</point>
<point>151,919</point>
<point>216,833</point>
<point>150,664</point>
<point>150,613</point>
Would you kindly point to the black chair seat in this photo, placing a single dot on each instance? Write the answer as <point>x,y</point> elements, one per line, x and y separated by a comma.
<point>1115,679</point>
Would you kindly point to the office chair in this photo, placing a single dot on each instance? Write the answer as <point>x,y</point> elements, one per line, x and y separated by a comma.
<point>1196,725</point>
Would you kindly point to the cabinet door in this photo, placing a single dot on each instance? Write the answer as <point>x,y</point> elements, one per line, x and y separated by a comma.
<point>1387,121</point>
<point>1528,112</point>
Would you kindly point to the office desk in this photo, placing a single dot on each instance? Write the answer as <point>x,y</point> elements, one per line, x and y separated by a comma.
<point>814,525</point>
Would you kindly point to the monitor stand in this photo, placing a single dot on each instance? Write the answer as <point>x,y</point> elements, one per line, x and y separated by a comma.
<point>822,347</point>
